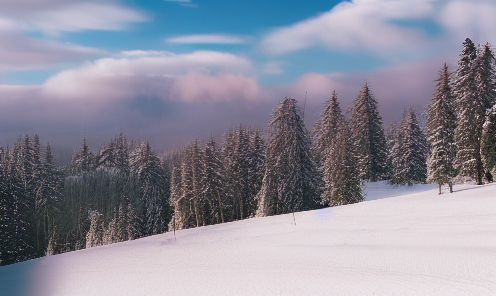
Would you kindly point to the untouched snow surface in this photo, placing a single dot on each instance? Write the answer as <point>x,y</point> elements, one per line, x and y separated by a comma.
<point>414,244</point>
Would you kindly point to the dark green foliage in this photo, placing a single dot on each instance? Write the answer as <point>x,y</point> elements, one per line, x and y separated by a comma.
<point>212,185</point>
<point>474,91</point>
<point>291,181</point>
<point>409,152</point>
<point>370,146</point>
<point>333,149</point>
<point>488,144</point>
<point>441,127</point>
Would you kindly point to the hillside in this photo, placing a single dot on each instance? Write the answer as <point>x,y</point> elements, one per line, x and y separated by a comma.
<point>413,244</point>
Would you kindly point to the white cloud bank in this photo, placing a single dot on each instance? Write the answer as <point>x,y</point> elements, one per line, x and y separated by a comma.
<point>374,26</point>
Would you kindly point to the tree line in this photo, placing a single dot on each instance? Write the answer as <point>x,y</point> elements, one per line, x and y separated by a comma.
<point>125,191</point>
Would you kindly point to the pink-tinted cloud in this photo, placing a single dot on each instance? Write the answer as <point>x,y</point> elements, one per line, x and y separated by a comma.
<point>202,75</point>
<point>394,87</point>
<point>197,86</point>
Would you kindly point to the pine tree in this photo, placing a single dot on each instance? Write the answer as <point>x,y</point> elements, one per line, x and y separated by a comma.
<point>212,195</point>
<point>326,127</point>
<point>441,128</point>
<point>368,137</point>
<point>155,193</point>
<point>291,182</point>
<point>334,150</point>
<point>83,159</point>
<point>391,134</point>
<point>470,114</point>
<point>255,171</point>
<point>488,144</point>
<point>95,235</point>
<point>410,152</point>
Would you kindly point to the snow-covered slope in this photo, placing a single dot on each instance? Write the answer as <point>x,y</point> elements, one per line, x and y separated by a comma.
<point>413,244</point>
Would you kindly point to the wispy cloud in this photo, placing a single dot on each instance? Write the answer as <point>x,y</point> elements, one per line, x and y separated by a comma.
<point>68,16</point>
<point>185,3</point>
<point>208,39</point>
<point>20,52</point>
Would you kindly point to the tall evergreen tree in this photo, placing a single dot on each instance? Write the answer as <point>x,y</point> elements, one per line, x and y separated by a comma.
<point>255,171</point>
<point>470,113</point>
<point>212,183</point>
<point>334,150</point>
<point>488,144</point>
<point>155,193</point>
<point>368,137</point>
<point>441,129</point>
<point>410,152</point>
<point>291,181</point>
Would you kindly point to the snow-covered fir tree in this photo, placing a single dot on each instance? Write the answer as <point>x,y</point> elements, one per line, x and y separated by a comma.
<point>326,127</point>
<point>391,135</point>
<point>441,123</point>
<point>291,181</point>
<point>155,194</point>
<point>470,113</point>
<point>95,235</point>
<point>83,159</point>
<point>334,150</point>
<point>255,171</point>
<point>488,144</point>
<point>409,154</point>
<point>368,137</point>
<point>212,184</point>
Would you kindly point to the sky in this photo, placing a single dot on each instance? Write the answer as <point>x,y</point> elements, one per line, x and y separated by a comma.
<point>175,70</point>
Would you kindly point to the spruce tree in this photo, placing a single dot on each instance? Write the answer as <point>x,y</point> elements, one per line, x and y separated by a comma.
<point>488,144</point>
<point>334,150</point>
<point>441,128</point>
<point>154,186</point>
<point>368,137</point>
<point>212,183</point>
<point>410,152</point>
<point>255,171</point>
<point>471,110</point>
<point>291,181</point>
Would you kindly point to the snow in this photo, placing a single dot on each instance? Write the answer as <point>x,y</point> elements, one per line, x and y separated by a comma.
<point>418,243</point>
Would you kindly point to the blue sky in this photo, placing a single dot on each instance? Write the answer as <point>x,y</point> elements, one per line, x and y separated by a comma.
<point>172,71</point>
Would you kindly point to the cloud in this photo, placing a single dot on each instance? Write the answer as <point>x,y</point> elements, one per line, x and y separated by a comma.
<point>54,17</point>
<point>18,53</point>
<point>473,19</point>
<point>19,19</point>
<point>144,81</point>
<point>394,87</point>
<point>358,25</point>
<point>208,39</point>
<point>273,67</point>
<point>196,86</point>
<point>170,99</point>
<point>164,97</point>
<point>390,29</point>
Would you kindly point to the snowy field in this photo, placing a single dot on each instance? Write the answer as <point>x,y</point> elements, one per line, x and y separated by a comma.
<point>418,243</point>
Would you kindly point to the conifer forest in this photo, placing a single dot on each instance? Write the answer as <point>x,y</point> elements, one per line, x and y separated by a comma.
<point>126,190</point>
